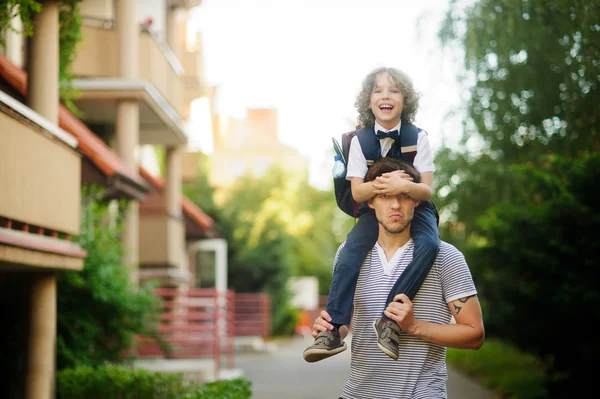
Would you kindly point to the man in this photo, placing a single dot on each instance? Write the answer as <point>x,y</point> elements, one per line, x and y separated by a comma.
<point>423,326</point>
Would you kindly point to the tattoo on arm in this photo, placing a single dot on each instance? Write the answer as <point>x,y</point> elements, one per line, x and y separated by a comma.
<point>458,307</point>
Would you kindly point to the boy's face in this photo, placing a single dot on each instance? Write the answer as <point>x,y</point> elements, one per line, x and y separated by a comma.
<point>387,101</point>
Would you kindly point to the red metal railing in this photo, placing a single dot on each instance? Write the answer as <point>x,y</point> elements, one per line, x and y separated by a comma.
<point>195,323</point>
<point>253,314</point>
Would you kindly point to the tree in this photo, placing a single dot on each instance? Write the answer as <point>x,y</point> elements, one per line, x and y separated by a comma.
<point>521,203</point>
<point>276,226</point>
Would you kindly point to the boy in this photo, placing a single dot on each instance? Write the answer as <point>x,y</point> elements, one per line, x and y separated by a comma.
<point>387,105</point>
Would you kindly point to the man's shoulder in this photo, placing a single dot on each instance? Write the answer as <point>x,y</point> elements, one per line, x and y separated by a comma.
<point>449,251</point>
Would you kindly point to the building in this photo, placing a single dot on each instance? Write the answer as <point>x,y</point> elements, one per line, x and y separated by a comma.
<point>40,176</point>
<point>136,83</point>
<point>242,147</point>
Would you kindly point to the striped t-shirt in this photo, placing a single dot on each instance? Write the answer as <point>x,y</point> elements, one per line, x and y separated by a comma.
<point>420,372</point>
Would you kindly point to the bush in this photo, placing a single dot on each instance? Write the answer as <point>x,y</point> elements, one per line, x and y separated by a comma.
<point>110,382</point>
<point>503,367</point>
<point>99,310</point>
<point>239,388</point>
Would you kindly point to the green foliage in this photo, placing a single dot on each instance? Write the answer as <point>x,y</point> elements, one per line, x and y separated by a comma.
<point>108,382</point>
<point>200,192</point>
<point>276,226</point>
<point>555,242</point>
<point>25,9</point>
<point>69,36</point>
<point>504,368</point>
<point>519,195</point>
<point>238,388</point>
<point>99,310</point>
<point>536,73</point>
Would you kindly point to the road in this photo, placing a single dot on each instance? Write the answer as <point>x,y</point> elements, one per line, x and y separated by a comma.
<point>282,373</point>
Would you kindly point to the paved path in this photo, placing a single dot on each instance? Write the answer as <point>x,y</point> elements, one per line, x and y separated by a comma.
<point>283,373</point>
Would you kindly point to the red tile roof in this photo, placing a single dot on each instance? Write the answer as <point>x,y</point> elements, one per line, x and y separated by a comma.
<point>95,149</point>
<point>89,144</point>
<point>188,207</point>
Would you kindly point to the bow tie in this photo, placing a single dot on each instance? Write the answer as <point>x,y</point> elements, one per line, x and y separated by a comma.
<point>394,134</point>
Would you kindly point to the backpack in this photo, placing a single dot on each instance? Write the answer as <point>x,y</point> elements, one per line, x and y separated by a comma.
<point>371,149</point>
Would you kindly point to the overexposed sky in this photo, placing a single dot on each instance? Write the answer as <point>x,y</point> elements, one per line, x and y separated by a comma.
<point>308,58</point>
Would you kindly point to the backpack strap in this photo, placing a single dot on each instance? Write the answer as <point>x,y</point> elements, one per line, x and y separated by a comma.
<point>369,143</point>
<point>409,135</point>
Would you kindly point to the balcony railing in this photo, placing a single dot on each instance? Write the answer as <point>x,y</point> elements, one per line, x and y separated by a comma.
<point>40,175</point>
<point>162,237</point>
<point>98,56</point>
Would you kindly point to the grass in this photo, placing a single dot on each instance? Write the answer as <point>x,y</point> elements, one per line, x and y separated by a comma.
<point>511,373</point>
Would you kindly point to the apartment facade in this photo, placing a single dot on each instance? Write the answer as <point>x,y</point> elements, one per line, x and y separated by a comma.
<point>136,85</point>
<point>40,176</point>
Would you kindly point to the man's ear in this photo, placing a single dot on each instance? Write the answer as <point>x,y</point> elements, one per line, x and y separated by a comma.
<point>370,203</point>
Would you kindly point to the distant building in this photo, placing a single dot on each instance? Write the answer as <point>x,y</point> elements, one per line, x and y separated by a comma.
<point>243,147</point>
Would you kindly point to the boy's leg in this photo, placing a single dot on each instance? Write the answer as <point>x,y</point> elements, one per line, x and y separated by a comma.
<point>341,293</point>
<point>359,242</point>
<point>426,237</point>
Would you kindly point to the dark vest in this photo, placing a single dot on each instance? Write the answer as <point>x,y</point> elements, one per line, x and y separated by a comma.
<point>404,148</point>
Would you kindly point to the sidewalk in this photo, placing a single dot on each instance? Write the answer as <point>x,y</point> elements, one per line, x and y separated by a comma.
<point>282,373</point>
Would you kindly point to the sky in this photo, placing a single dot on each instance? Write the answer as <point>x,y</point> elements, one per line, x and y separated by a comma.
<point>308,58</point>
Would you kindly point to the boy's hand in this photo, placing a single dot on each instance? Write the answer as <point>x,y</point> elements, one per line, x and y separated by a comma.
<point>321,323</point>
<point>392,183</point>
<point>401,173</point>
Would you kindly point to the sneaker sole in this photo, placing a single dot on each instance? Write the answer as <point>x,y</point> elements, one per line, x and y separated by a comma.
<point>314,355</point>
<point>381,347</point>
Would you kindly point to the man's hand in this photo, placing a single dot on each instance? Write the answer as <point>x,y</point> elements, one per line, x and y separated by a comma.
<point>401,311</point>
<point>321,323</point>
<point>392,183</point>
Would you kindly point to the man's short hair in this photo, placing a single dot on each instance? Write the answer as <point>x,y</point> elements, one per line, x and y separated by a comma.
<point>388,164</point>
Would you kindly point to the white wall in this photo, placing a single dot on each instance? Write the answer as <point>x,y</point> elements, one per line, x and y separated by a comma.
<point>305,292</point>
<point>157,9</point>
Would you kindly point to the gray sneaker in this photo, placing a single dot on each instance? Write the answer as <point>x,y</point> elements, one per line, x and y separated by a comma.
<point>388,336</point>
<point>326,344</point>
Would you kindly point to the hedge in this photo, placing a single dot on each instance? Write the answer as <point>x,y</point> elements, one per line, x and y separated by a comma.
<point>118,382</point>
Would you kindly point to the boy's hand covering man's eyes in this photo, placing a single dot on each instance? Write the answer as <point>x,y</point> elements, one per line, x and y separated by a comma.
<point>401,173</point>
<point>392,183</point>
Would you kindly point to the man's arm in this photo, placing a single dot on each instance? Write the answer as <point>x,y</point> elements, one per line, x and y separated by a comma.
<point>466,333</point>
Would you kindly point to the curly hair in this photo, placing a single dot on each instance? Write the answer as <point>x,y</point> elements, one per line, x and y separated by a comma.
<point>404,83</point>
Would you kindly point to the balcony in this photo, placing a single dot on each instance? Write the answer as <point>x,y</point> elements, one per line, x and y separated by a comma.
<point>162,236</point>
<point>193,77</point>
<point>40,175</point>
<point>159,236</point>
<point>160,85</point>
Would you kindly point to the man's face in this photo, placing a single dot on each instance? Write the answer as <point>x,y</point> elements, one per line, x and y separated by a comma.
<point>387,101</point>
<point>394,212</point>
